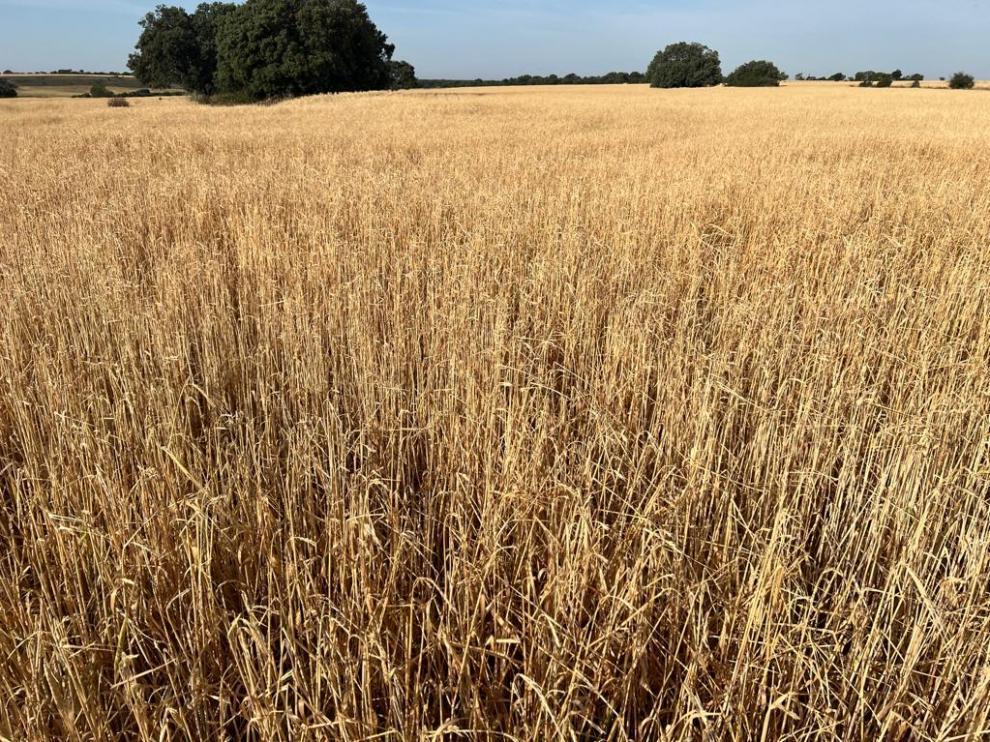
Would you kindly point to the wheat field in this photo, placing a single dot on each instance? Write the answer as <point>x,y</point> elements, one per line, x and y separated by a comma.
<point>573,413</point>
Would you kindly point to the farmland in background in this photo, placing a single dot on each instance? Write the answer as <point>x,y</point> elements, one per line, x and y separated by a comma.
<point>64,86</point>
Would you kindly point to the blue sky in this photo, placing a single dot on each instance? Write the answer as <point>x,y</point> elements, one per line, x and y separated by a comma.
<point>469,38</point>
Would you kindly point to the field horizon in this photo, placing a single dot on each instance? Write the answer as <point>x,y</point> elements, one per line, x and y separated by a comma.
<point>44,85</point>
<point>502,413</point>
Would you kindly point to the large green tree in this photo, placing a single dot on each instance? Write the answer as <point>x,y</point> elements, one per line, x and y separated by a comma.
<point>166,44</point>
<point>179,48</point>
<point>278,48</point>
<point>685,65</point>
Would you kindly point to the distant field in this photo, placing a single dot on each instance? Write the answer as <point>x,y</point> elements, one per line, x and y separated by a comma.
<point>65,86</point>
<point>581,413</point>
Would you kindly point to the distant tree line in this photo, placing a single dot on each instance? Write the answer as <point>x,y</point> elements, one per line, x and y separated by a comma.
<point>873,78</point>
<point>83,72</point>
<point>267,49</point>
<point>694,65</point>
<point>864,76</point>
<point>611,78</point>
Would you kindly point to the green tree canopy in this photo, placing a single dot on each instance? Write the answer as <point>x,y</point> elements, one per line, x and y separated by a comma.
<point>278,48</point>
<point>178,48</point>
<point>164,47</point>
<point>201,73</point>
<point>266,49</point>
<point>402,75</point>
<point>7,89</point>
<point>756,74</point>
<point>685,65</point>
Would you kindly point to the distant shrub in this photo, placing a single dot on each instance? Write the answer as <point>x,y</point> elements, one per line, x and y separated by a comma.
<point>100,91</point>
<point>7,89</point>
<point>962,81</point>
<point>755,74</point>
<point>838,77</point>
<point>866,84</point>
<point>885,81</point>
<point>916,84</point>
<point>118,103</point>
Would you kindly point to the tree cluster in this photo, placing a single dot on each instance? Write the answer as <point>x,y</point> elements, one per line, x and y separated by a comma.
<point>872,78</point>
<point>869,76</point>
<point>694,65</point>
<point>267,49</point>
<point>837,77</point>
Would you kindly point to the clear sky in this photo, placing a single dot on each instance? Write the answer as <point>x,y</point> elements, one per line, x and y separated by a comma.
<point>481,38</point>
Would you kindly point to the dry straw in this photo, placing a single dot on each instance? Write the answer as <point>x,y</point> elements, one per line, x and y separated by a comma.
<point>578,413</point>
